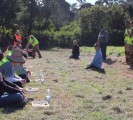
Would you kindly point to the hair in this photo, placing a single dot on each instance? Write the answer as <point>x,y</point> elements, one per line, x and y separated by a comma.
<point>75,41</point>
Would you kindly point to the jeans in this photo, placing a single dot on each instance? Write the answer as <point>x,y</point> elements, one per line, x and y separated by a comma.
<point>103,49</point>
<point>10,99</point>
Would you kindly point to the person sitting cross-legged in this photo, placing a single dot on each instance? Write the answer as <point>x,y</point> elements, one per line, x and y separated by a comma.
<point>10,94</point>
<point>6,67</point>
<point>96,63</point>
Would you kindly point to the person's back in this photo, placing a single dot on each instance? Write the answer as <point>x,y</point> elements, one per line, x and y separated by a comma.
<point>103,36</point>
<point>75,50</point>
<point>97,60</point>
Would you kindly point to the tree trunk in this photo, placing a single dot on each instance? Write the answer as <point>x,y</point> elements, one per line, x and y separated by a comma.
<point>31,16</point>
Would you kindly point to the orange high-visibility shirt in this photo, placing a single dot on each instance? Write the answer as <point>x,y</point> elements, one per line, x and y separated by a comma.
<point>18,38</point>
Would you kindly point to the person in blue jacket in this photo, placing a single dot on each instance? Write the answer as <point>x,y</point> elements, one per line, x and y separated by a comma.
<point>96,63</point>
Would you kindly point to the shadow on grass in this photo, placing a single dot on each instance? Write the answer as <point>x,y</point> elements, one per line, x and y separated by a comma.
<point>12,108</point>
<point>109,61</point>
<point>102,71</point>
<point>74,58</point>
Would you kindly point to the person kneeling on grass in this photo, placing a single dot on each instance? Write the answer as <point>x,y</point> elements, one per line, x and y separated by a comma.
<point>97,60</point>
<point>75,51</point>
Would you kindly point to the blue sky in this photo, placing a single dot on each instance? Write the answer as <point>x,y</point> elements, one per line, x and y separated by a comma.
<point>74,1</point>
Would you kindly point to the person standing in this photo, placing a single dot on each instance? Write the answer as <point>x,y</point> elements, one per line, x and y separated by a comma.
<point>126,35</point>
<point>17,39</point>
<point>130,44</point>
<point>35,44</point>
<point>102,40</point>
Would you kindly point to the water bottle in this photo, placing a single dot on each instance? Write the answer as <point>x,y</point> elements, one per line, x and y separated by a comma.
<point>42,77</point>
<point>48,96</point>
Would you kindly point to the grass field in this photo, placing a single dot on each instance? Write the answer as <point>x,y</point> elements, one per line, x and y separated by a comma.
<point>77,93</point>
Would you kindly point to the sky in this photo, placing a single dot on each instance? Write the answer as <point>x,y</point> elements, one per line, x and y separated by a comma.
<point>74,1</point>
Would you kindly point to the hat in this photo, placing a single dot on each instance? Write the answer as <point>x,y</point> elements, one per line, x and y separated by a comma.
<point>17,56</point>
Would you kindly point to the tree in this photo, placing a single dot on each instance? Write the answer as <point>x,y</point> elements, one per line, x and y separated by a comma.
<point>8,12</point>
<point>81,1</point>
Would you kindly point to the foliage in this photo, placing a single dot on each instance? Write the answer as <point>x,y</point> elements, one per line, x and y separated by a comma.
<point>67,34</point>
<point>112,18</point>
<point>115,51</point>
<point>55,21</point>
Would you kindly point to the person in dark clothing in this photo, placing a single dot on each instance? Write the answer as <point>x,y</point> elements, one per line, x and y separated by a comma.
<point>102,40</point>
<point>75,50</point>
<point>10,94</point>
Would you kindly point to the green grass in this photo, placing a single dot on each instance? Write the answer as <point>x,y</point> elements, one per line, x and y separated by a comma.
<point>76,93</point>
<point>117,51</point>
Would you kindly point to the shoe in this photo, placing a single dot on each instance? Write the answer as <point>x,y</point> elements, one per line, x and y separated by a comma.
<point>28,100</point>
<point>40,57</point>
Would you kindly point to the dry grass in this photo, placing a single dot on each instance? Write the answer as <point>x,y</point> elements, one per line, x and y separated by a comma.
<point>77,94</point>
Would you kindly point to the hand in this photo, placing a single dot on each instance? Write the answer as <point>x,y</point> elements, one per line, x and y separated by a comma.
<point>23,81</point>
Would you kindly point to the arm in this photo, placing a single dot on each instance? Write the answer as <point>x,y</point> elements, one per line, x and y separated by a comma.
<point>30,43</point>
<point>6,88</point>
<point>32,38</point>
<point>14,38</point>
<point>27,45</point>
<point>10,84</point>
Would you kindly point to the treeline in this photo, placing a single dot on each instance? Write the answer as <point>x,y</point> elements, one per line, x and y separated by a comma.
<point>57,23</point>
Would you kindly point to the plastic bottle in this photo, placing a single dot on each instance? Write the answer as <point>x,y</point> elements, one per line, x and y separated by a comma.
<point>48,96</point>
<point>42,77</point>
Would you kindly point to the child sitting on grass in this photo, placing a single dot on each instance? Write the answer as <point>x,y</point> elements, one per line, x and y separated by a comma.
<point>75,51</point>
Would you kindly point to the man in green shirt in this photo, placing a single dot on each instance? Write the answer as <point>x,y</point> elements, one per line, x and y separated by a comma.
<point>35,44</point>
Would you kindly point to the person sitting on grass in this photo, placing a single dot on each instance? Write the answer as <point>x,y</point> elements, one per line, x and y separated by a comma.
<point>10,94</point>
<point>75,50</point>
<point>7,70</point>
<point>97,60</point>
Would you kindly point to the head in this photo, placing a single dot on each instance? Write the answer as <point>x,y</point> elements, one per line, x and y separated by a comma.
<point>16,56</point>
<point>17,32</point>
<point>96,46</point>
<point>102,28</point>
<point>75,42</point>
<point>27,36</point>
